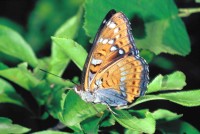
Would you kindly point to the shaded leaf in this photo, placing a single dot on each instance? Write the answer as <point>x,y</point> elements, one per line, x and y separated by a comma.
<point>135,124</point>
<point>70,27</point>
<point>91,125</point>
<point>3,66</point>
<point>9,95</point>
<point>46,17</point>
<point>161,26</point>
<point>72,50</point>
<point>178,127</point>
<point>174,81</point>
<point>8,23</point>
<point>7,127</point>
<point>163,63</point>
<point>41,91</point>
<point>108,121</point>
<point>147,55</point>
<point>13,44</point>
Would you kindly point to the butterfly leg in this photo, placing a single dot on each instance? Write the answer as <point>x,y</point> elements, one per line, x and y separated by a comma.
<point>99,113</point>
<point>111,109</point>
<point>121,107</point>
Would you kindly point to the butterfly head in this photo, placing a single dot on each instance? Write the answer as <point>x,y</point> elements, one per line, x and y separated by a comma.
<point>77,88</point>
<point>85,95</point>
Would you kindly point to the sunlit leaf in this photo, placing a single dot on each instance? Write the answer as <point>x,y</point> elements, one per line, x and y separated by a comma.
<point>77,110</point>
<point>185,98</point>
<point>163,115</point>
<point>59,59</point>
<point>13,44</point>
<point>73,50</point>
<point>20,75</point>
<point>50,132</point>
<point>134,123</point>
<point>7,127</point>
<point>174,81</point>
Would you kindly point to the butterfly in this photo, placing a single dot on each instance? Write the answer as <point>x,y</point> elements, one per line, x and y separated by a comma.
<point>114,74</point>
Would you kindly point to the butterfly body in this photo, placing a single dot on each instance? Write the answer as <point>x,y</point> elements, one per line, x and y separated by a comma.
<point>114,73</point>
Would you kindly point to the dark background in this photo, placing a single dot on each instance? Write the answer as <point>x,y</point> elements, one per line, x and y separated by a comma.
<point>19,10</point>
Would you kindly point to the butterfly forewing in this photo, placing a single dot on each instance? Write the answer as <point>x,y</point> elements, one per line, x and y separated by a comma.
<point>113,62</point>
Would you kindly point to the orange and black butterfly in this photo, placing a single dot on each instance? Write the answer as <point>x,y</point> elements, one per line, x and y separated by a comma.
<point>114,73</point>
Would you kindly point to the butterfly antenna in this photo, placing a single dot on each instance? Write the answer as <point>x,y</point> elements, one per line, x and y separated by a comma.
<point>58,77</point>
<point>68,88</point>
<point>50,73</point>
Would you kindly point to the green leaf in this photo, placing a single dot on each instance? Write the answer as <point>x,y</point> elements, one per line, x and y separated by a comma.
<point>55,103</point>
<point>108,121</point>
<point>163,115</point>
<point>70,27</point>
<point>9,95</point>
<point>59,60</point>
<point>72,50</point>
<point>185,98</point>
<point>174,81</point>
<point>197,1</point>
<point>8,23</point>
<point>77,110</point>
<point>91,125</point>
<point>7,127</point>
<point>20,75</point>
<point>47,17</point>
<point>147,55</point>
<point>41,91</point>
<point>129,131</point>
<point>135,124</point>
<point>178,127</point>
<point>163,63</point>
<point>13,44</point>
<point>159,27</point>
<point>50,132</point>
<point>3,66</point>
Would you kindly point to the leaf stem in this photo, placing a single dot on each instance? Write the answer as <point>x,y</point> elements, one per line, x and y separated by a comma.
<point>185,12</point>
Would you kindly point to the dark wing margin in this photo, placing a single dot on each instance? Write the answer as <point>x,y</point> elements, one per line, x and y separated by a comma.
<point>135,52</point>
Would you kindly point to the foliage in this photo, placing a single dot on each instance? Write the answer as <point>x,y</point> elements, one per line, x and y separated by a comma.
<point>70,33</point>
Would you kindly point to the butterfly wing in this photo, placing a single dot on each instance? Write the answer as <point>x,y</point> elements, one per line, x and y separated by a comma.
<point>114,62</point>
